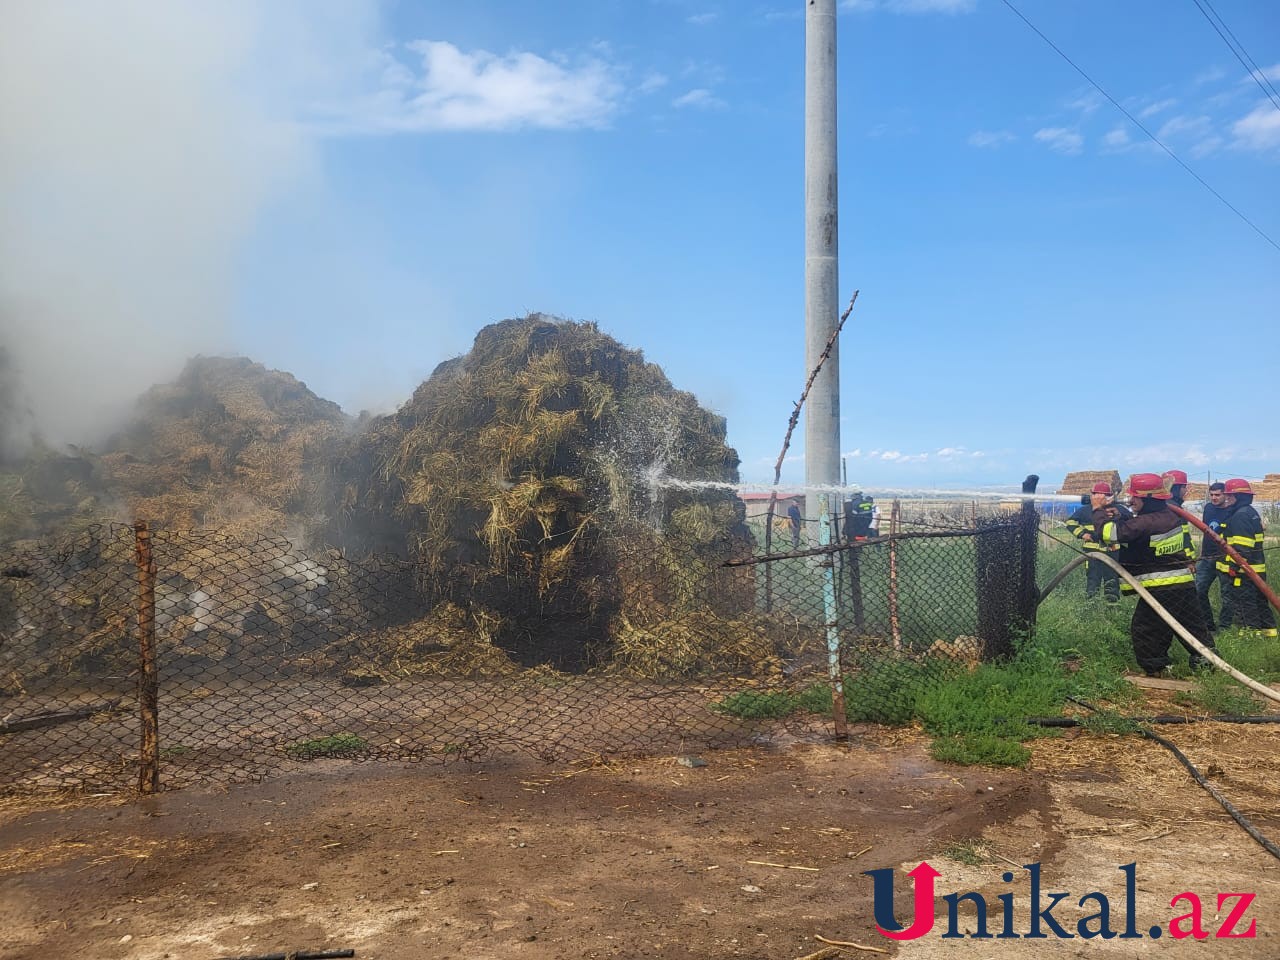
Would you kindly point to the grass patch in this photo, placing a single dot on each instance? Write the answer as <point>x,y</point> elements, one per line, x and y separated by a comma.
<point>985,749</point>
<point>969,852</point>
<point>772,705</point>
<point>335,745</point>
<point>888,690</point>
<point>1216,693</point>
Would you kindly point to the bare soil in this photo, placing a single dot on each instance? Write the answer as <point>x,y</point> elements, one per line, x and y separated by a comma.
<point>752,855</point>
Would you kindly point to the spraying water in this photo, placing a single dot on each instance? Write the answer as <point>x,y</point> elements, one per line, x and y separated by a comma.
<point>658,480</point>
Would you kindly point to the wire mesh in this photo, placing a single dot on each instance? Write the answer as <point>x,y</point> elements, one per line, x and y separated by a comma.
<point>267,656</point>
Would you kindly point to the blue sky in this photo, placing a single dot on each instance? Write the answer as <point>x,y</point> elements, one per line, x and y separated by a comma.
<point>1042,289</point>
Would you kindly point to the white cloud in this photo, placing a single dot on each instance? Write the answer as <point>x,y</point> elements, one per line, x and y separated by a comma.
<point>653,81</point>
<point>1259,130</point>
<point>1186,127</point>
<point>1271,73</point>
<point>701,98</point>
<point>1061,139</point>
<point>1116,139</point>
<point>910,7</point>
<point>990,138</point>
<point>456,90</point>
<point>702,19</point>
<point>1086,102</point>
<point>1211,75</point>
<point>1159,106</point>
<point>897,456</point>
<point>1206,146</point>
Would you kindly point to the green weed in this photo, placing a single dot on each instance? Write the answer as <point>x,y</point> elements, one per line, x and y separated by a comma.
<point>986,749</point>
<point>1216,693</point>
<point>969,852</point>
<point>335,745</point>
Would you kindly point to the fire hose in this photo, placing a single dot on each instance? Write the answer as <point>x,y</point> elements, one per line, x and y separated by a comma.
<point>1167,617</point>
<point>1230,551</point>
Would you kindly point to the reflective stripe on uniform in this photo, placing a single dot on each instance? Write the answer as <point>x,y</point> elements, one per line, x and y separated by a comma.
<point>1169,544</point>
<point>1159,578</point>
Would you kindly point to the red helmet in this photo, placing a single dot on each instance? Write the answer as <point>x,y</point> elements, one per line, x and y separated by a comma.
<point>1102,488</point>
<point>1179,476</point>
<point>1237,486</point>
<point>1147,485</point>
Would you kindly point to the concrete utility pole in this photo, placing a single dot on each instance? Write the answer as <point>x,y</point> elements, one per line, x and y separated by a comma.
<point>821,273</point>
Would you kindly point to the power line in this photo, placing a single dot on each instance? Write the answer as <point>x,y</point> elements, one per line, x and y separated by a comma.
<point>1260,78</point>
<point>1137,123</point>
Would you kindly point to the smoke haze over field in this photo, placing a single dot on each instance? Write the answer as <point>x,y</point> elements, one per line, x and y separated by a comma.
<point>139,143</point>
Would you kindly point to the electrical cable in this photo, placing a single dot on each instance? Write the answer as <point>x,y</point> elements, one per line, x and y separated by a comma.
<point>1137,123</point>
<point>1163,718</point>
<point>1213,791</point>
<point>1260,78</point>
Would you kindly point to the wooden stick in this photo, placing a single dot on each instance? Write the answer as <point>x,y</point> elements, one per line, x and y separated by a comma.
<point>849,944</point>
<point>51,719</point>
<point>148,678</point>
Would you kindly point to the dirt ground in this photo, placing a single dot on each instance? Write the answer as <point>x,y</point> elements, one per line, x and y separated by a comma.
<point>753,855</point>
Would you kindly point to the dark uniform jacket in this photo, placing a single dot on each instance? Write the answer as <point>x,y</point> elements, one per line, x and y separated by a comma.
<point>1081,523</point>
<point>1243,530</point>
<point>1153,546</point>
<point>1214,518</point>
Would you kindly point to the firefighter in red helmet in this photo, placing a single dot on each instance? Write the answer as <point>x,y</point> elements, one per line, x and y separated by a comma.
<point>1176,482</point>
<point>1153,548</point>
<point>1099,576</point>
<point>1244,531</point>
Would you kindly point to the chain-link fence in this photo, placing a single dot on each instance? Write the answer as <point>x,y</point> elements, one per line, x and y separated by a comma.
<point>133,657</point>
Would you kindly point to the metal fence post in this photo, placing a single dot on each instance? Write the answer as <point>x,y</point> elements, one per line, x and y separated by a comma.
<point>148,681</point>
<point>895,623</point>
<point>831,617</point>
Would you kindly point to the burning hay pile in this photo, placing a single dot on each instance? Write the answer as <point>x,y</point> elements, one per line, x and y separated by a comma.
<point>543,479</point>
<point>229,444</point>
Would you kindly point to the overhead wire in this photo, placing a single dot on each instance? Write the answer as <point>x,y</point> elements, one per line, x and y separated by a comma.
<point>1236,47</point>
<point>1138,123</point>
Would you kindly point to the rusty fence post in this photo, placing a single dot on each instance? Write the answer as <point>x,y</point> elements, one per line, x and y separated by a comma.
<point>895,625</point>
<point>148,680</point>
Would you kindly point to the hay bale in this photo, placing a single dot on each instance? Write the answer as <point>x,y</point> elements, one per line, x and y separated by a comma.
<point>521,477</point>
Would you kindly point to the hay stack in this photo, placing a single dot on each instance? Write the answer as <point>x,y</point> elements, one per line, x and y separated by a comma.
<point>229,444</point>
<point>1082,481</point>
<point>520,475</point>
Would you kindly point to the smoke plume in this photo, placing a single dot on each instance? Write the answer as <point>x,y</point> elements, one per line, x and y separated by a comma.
<point>140,142</point>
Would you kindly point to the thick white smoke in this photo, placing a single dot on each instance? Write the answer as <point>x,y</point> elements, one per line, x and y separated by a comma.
<point>140,141</point>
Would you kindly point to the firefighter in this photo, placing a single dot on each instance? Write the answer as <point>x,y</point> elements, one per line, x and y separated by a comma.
<point>1243,530</point>
<point>1080,526</point>
<point>859,513</point>
<point>1152,548</point>
<point>1176,481</point>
